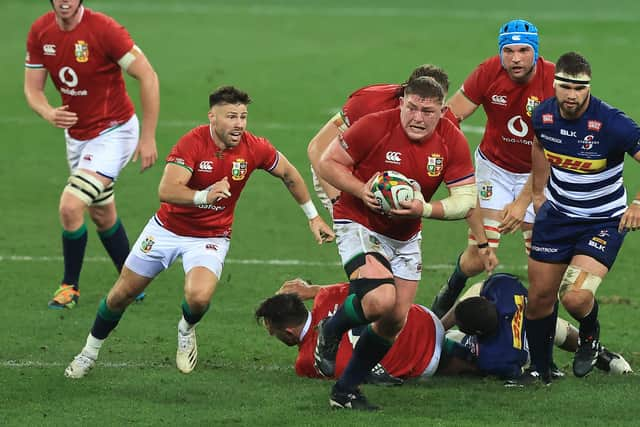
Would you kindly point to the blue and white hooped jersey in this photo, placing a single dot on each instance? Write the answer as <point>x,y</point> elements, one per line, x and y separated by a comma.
<point>586,157</point>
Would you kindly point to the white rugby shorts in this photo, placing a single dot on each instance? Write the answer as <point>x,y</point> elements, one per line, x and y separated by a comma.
<point>498,187</point>
<point>157,248</point>
<point>405,257</point>
<point>106,154</point>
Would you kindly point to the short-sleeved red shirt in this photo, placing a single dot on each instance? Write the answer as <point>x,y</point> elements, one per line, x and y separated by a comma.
<point>409,356</point>
<point>508,134</point>
<point>197,152</point>
<point>377,143</point>
<point>83,65</point>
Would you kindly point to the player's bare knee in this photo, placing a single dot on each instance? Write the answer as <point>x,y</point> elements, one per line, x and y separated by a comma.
<point>379,302</point>
<point>104,217</point>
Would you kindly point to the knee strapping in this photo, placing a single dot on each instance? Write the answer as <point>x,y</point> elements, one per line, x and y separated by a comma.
<point>85,186</point>
<point>490,230</point>
<point>360,287</point>
<point>361,259</point>
<point>105,197</point>
<point>575,279</point>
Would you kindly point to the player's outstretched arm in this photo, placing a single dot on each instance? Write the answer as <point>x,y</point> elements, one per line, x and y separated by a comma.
<point>135,63</point>
<point>34,81</point>
<point>300,287</point>
<point>296,186</point>
<point>173,188</point>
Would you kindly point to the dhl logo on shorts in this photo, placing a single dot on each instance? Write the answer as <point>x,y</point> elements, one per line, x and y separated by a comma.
<point>516,322</point>
<point>575,164</point>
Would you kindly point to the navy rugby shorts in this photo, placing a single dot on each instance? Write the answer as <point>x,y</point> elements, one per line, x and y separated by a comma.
<point>557,238</point>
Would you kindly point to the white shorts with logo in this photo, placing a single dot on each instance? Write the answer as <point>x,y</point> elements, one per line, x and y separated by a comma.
<point>498,187</point>
<point>106,154</point>
<point>157,248</point>
<point>354,239</point>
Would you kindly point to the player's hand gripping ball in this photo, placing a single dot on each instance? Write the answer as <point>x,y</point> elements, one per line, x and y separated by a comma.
<point>390,188</point>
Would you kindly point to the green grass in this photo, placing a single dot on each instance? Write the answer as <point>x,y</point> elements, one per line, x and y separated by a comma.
<point>298,60</point>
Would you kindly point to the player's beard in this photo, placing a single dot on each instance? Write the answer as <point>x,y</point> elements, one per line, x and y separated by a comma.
<point>574,112</point>
<point>226,138</point>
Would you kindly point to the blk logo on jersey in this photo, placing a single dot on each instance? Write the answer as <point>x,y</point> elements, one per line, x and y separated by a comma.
<point>575,164</point>
<point>206,166</point>
<point>147,244</point>
<point>532,103</point>
<point>435,163</point>
<point>393,157</point>
<point>239,169</point>
<point>570,133</point>
<point>82,51</point>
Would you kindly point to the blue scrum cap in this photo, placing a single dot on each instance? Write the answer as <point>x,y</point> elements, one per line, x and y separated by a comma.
<point>519,31</point>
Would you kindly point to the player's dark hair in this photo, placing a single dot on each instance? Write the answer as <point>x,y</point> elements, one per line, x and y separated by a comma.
<point>573,64</point>
<point>228,95</point>
<point>282,311</point>
<point>430,70</point>
<point>477,316</point>
<point>425,87</point>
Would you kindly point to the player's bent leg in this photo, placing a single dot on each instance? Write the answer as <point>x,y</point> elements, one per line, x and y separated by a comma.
<point>200,284</point>
<point>577,293</point>
<point>109,313</point>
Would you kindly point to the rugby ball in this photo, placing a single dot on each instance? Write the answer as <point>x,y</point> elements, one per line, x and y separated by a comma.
<point>390,188</point>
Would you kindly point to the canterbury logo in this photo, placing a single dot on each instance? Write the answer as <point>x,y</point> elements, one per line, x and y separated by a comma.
<point>499,99</point>
<point>575,164</point>
<point>393,157</point>
<point>206,166</point>
<point>49,49</point>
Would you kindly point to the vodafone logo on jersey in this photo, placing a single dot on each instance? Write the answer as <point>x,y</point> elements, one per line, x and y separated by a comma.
<point>517,126</point>
<point>499,99</point>
<point>206,166</point>
<point>393,157</point>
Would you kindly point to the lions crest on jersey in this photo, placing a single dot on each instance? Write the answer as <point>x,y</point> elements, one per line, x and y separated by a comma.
<point>435,163</point>
<point>532,103</point>
<point>82,51</point>
<point>239,169</point>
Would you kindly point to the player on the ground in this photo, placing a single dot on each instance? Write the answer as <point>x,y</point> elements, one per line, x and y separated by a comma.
<point>421,349</point>
<point>508,86</point>
<point>582,212</point>
<point>205,173</point>
<point>85,53</point>
<point>381,254</point>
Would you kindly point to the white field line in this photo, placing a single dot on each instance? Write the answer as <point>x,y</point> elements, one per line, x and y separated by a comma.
<point>38,364</point>
<point>188,124</point>
<point>272,262</point>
